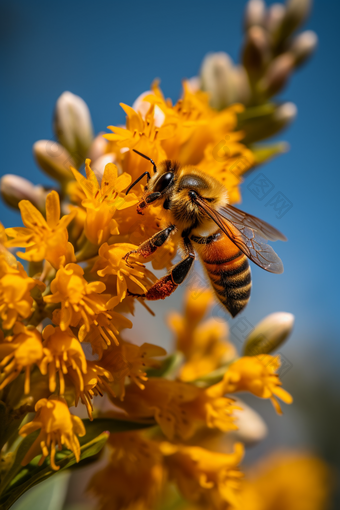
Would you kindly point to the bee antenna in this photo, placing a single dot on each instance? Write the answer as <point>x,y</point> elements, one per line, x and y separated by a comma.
<point>149,159</point>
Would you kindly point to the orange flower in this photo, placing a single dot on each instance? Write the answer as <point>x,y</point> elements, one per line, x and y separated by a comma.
<point>62,350</point>
<point>20,352</point>
<point>208,478</point>
<point>257,374</point>
<point>15,293</point>
<point>43,239</point>
<point>79,300</point>
<point>57,427</point>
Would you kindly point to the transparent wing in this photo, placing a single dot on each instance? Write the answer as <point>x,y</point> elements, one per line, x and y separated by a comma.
<point>241,218</point>
<point>251,241</point>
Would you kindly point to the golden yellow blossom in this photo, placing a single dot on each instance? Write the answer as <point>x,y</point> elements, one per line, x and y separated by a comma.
<point>79,300</point>
<point>61,351</point>
<point>179,408</point>
<point>287,480</point>
<point>130,361</point>
<point>257,374</point>
<point>18,353</point>
<point>94,382</point>
<point>103,200</point>
<point>143,134</point>
<point>43,239</point>
<point>227,161</point>
<point>111,263</point>
<point>104,330</point>
<point>207,478</point>
<point>58,427</point>
<point>15,293</point>
<point>204,344</point>
<point>134,477</point>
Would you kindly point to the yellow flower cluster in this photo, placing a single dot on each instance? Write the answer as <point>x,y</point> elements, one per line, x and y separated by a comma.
<point>77,288</point>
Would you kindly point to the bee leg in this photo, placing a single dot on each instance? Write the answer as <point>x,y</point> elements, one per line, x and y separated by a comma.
<point>169,283</point>
<point>149,246</point>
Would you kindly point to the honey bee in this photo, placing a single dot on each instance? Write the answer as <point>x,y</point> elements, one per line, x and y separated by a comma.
<point>198,214</point>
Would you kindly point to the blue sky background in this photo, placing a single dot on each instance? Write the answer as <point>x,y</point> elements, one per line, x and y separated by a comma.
<point>110,52</point>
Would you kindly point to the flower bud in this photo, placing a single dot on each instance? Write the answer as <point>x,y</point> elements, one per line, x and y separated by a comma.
<point>251,427</point>
<point>254,13</point>
<point>73,125</point>
<point>218,79</point>
<point>265,152</point>
<point>296,13</point>
<point>15,188</point>
<point>275,16</point>
<point>260,128</point>
<point>303,46</point>
<point>54,159</point>
<point>99,164</point>
<point>269,334</point>
<point>98,147</point>
<point>256,51</point>
<point>277,74</point>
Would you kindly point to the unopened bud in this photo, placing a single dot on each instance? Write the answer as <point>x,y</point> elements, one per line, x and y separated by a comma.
<point>242,85</point>
<point>217,79</point>
<point>285,113</point>
<point>276,14</point>
<point>298,10</point>
<point>296,13</point>
<point>269,334</point>
<point>256,51</point>
<point>73,125</point>
<point>54,159</point>
<point>259,128</point>
<point>277,74</point>
<point>254,13</point>
<point>98,147</point>
<point>99,165</point>
<point>303,46</point>
<point>263,153</point>
<point>15,188</point>
<point>251,427</point>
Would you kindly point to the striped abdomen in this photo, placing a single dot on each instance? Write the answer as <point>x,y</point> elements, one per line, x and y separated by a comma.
<point>228,270</point>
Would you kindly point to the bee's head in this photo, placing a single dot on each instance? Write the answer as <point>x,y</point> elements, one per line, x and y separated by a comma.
<point>159,185</point>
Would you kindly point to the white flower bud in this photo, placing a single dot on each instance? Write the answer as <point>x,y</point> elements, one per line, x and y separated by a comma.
<point>256,50</point>
<point>251,427</point>
<point>99,164</point>
<point>217,76</point>
<point>277,74</point>
<point>15,188</point>
<point>303,46</point>
<point>269,334</point>
<point>254,13</point>
<point>275,16</point>
<point>54,159</point>
<point>285,113</point>
<point>73,125</point>
<point>143,107</point>
<point>98,147</point>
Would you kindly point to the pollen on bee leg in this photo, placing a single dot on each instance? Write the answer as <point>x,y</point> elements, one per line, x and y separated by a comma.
<point>161,289</point>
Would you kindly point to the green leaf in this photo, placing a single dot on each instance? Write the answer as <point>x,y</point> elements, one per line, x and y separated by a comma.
<point>169,366</point>
<point>19,479</point>
<point>34,474</point>
<point>99,425</point>
<point>49,495</point>
<point>263,153</point>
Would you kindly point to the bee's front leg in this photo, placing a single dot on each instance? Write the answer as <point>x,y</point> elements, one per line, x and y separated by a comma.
<point>149,246</point>
<point>169,283</point>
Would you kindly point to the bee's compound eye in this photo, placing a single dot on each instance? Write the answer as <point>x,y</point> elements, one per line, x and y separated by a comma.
<point>163,182</point>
